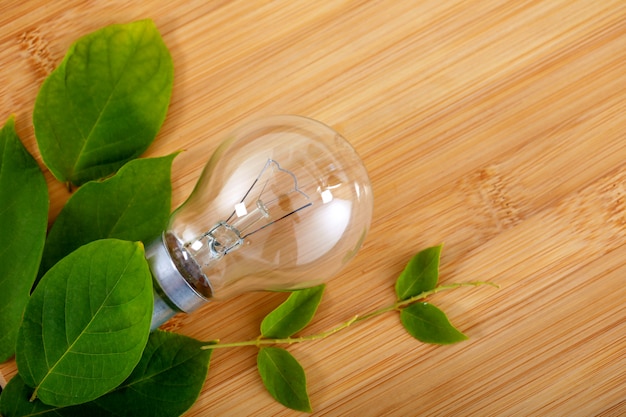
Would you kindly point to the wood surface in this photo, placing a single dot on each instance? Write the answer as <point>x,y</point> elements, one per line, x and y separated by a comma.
<point>497,127</point>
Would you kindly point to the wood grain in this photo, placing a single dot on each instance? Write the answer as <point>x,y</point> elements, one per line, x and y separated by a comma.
<point>496,127</point>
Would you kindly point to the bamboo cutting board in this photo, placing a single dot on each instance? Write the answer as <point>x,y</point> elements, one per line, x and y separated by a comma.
<point>496,127</point>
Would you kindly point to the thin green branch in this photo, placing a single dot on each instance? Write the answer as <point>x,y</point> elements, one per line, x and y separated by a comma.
<point>441,288</point>
<point>258,342</point>
<point>398,305</point>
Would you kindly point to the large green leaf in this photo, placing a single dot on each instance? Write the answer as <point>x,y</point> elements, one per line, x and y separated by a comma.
<point>132,205</point>
<point>23,223</point>
<point>428,324</point>
<point>87,323</point>
<point>421,274</point>
<point>165,383</point>
<point>15,402</point>
<point>167,380</point>
<point>105,103</point>
<point>284,378</point>
<point>294,314</point>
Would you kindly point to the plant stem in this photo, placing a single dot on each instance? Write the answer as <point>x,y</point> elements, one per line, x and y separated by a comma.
<point>34,396</point>
<point>398,305</point>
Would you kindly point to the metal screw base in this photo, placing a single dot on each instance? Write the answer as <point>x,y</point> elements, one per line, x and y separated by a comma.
<point>172,293</point>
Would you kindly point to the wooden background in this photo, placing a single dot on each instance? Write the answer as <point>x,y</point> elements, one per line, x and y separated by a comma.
<point>497,127</point>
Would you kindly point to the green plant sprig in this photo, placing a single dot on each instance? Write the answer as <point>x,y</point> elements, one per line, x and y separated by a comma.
<point>397,306</point>
<point>280,371</point>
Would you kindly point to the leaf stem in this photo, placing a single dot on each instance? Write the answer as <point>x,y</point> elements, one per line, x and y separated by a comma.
<point>34,396</point>
<point>398,305</point>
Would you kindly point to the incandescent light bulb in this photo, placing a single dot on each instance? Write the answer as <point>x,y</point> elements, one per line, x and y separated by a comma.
<point>284,203</point>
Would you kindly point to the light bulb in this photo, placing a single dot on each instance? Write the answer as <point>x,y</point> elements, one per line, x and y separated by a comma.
<point>284,203</point>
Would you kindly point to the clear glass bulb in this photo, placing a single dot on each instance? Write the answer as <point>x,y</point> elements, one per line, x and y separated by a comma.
<point>284,203</point>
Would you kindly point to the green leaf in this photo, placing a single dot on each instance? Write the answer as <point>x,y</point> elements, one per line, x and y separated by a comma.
<point>132,205</point>
<point>421,274</point>
<point>428,324</point>
<point>294,314</point>
<point>284,378</point>
<point>87,323</point>
<point>105,103</point>
<point>166,382</point>
<point>14,402</point>
<point>23,223</point>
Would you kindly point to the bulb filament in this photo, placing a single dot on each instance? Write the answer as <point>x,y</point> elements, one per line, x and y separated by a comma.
<point>273,196</point>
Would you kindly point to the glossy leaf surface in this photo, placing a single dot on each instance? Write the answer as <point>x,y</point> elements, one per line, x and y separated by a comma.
<point>87,323</point>
<point>15,402</point>
<point>105,103</point>
<point>429,324</point>
<point>23,223</point>
<point>167,380</point>
<point>284,378</point>
<point>134,205</point>
<point>294,314</point>
<point>421,274</point>
<point>165,383</point>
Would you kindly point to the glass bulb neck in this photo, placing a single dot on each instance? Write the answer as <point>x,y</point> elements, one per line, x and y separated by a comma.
<point>212,245</point>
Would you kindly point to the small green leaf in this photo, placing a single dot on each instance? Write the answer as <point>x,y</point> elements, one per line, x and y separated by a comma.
<point>134,205</point>
<point>421,274</point>
<point>428,324</point>
<point>165,383</point>
<point>23,223</point>
<point>105,103</point>
<point>294,314</point>
<point>87,323</point>
<point>284,378</point>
